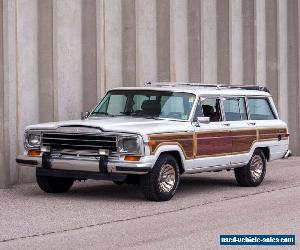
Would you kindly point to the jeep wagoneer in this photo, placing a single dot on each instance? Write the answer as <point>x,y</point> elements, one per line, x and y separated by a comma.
<point>152,135</point>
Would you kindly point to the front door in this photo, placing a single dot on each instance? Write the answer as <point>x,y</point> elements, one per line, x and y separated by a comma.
<point>213,144</point>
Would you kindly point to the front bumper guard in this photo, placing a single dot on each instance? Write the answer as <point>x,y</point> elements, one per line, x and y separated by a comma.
<point>86,165</point>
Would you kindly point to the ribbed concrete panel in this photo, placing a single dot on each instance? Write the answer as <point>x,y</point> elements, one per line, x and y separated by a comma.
<point>68,59</point>
<point>89,54</point>
<point>282,59</point>
<point>236,42</point>
<point>27,66</point>
<point>146,54</point>
<point>271,48</point>
<point>163,44</point>
<point>179,41</point>
<point>223,46</point>
<point>209,73</point>
<point>113,43</point>
<point>45,60</point>
<point>129,42</point>
<point>260,17</point>
<point>194,39</point>
<point>249,43</point>
<point>3,168</point>
<point>100,27</point>
<point>293,73</point>
<point>10,90</point>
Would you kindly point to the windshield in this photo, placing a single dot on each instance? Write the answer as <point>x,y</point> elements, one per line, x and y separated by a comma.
<point>146,103</point>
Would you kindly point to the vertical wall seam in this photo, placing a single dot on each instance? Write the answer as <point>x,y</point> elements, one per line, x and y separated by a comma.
<point>54,62</point>
<point>17,83</point>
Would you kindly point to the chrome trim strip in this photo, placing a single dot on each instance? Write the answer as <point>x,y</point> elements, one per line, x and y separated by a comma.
<point>214,168</point>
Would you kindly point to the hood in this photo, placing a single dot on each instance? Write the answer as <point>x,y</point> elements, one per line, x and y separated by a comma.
<point>122,124</point>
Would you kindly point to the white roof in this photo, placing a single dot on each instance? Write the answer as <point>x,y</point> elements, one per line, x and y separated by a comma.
<point>198,88</point>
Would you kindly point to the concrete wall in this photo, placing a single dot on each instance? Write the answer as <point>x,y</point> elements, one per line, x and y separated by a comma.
<point>58,58</point>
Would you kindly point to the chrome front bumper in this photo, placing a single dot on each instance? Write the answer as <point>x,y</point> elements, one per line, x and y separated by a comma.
<point>87,165</point>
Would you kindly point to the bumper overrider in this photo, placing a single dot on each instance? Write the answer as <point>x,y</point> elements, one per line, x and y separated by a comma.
<point>81,166</point>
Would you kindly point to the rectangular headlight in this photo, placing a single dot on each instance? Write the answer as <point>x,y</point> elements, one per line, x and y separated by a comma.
<point>130,144</point>
<point>32,139</point>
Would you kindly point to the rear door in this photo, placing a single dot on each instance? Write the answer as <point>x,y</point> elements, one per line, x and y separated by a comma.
<point>243,132</point>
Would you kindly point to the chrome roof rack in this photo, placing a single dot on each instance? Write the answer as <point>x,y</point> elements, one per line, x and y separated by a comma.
<point>217,86</point>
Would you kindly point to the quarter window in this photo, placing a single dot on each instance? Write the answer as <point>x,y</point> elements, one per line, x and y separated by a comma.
<point>260,109</point>
<point>235,109</point>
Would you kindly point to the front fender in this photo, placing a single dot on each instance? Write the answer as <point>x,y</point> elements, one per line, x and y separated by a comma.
<point>167,148</point>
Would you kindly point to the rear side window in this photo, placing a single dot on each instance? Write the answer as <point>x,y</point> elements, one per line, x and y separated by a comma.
<point>235,109</point>
<point>260,109</point>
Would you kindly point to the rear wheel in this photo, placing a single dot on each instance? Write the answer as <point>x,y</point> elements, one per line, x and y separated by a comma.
<point>162,182</point>
<point>252,174</point>
<point>51,184</point>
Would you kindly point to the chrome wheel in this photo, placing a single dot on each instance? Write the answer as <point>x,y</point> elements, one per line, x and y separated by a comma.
<point>256,167</point>
<point>167,178</point>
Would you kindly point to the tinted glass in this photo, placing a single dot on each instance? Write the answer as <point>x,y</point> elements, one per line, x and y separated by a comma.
<point>260,109</point>
<point>235,109</point>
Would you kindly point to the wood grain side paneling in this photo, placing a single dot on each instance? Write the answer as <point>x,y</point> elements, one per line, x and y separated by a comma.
<point>242,140</point>
<point>213,143</point>
<point>183,140</point>
<point>216,143</point>
<point>272,134</point>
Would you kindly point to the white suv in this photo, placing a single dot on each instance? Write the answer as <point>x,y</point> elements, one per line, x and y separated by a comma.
<point>152,135</point>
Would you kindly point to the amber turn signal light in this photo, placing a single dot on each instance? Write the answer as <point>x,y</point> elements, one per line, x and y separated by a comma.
<point>132,158</point>
<point>152,143</point>
<point>33,152</point>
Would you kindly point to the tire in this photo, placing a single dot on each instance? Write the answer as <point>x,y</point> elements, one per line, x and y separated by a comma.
<point>252,174</point>
<point>154,189</point>
<point>51,184</point>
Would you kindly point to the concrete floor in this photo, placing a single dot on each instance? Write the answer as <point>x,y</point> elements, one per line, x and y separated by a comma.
<point>101,215</point>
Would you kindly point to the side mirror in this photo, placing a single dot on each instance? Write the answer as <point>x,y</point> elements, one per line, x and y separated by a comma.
<point>203,120</point>
<point>84,115</point>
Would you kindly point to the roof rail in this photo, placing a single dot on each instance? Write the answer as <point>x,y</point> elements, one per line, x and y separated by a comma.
<point>218,86</point>
<point>249,87</point>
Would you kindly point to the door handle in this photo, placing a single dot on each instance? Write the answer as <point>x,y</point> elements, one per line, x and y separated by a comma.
<point>226,124</point>
<point>252,123</point>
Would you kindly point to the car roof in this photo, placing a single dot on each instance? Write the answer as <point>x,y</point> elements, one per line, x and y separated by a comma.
<point>203,89</point>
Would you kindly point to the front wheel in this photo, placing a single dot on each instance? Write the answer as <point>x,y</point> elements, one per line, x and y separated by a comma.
<point>51,184</point>
<point>162,182</point>
<point>252,174</point>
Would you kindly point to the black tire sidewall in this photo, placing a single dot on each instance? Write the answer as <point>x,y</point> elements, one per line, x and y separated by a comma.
<point>51,184</point>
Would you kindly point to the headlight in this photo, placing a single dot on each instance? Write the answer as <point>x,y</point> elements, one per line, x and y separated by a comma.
<point>32,139</point>
<point>130,144</point>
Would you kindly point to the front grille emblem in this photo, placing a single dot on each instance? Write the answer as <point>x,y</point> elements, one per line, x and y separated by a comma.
<point>78,130</point>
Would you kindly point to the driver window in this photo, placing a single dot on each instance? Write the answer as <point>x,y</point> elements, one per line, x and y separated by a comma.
<point>209,107</point>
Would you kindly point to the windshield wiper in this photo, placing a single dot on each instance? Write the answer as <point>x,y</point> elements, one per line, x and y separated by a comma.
<point>136,114</point>
<point>102,113</point>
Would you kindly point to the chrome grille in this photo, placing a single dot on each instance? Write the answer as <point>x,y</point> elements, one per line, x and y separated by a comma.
<point>79,141</point>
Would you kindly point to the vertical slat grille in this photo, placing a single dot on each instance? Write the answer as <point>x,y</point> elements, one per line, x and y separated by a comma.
<point>79,141</point>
